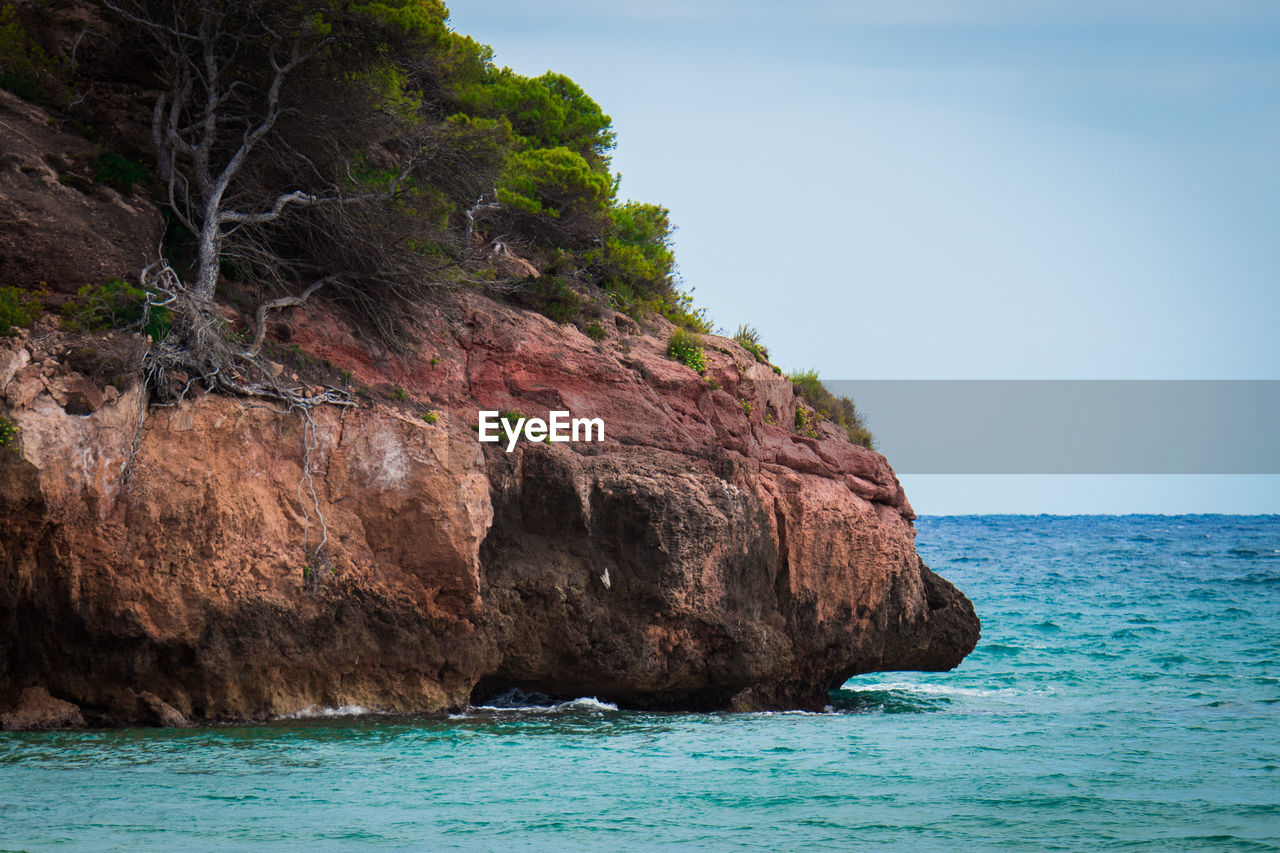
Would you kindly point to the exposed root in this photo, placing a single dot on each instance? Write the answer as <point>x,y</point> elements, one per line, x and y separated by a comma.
<point>198,349</point>
<point>317,560</point>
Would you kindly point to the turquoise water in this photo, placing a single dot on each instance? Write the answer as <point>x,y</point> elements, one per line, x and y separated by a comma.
<point>1126,694</point>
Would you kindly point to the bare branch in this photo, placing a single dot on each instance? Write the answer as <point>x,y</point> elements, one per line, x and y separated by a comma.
<point>260,316</point>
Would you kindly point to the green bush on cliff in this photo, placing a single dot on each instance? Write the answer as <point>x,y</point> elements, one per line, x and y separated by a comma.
<point>841,410</point>
<point>8,432</point>
<point>26,68</point>
<point>553,298</point>
<point>748,337</point>
<point>117,304</point>
<point>119,172</point>
<point>686,348</point>
<point>18,308</point>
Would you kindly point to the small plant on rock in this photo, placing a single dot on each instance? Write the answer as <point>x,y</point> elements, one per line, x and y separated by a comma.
<point>805,422</point>
<point>8,432</point>
<point>18,307</point>
<point>748,337</point>
<point>116,304</point>
<point>686,348</point>
<point>119,172</point>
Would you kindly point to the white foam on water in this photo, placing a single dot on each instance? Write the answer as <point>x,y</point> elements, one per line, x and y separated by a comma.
<point>585,703</point>
<point>933,689</point>
<point>316,712</point>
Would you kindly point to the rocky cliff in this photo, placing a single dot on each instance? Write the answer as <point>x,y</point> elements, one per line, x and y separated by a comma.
<point>155,562</point>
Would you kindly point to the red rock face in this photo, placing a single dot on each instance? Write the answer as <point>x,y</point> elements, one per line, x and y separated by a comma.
<point>155,569</point>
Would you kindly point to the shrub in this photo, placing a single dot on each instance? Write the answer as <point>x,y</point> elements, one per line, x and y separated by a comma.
<point>18,307</point>
<point>116,304</point>
<point>431,417</point>
<point>686,348</point>
<point>841,410</point>
<point>555,299</point>
<point>746,408</point>
<point>121,173</point>
<point>805,424</point>
<point>748,337</point>
<point>679,310</point>
<point>27,69</point>
<point>595,331</point>
<point>8,432</point>
<point>399,394</point>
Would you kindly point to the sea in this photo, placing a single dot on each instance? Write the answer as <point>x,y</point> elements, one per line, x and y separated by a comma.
<point>1125,695</point>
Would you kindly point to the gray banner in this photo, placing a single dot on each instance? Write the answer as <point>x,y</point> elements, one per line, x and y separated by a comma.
<point>1072,426</point>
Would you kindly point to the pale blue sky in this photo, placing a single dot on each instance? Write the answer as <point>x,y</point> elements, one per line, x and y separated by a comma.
<point>939,189</point>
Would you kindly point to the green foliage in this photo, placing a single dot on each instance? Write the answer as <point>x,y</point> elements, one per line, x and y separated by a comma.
<point>637,250</point>
<point>686,348</point>
<point>18,307</point>
<point>431,417</point>
<point>805,424</point>
<point>510,418</point>
<point>554,196</point>
<point>555,299</point>
<point>119,172</point>
<point>746,408</point>
<point>116,304</point>
<point>748,337</point>
<point>424,18</point>
<point>8,432</point>
<point>550,111</point>
<point>26,68</point>
<point>841,410</point>
<point>399,394</point>
<point>712,383</point>
<point>680,310</point>
<point>595,331</point>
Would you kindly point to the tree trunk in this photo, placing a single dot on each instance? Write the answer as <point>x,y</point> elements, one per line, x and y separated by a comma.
<point>207,260</point>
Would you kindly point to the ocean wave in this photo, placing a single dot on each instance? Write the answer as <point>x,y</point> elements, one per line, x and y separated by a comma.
<point>908,697</point>
<point>935,690</point>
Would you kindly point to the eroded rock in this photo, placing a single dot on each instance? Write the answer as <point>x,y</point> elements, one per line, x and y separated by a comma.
<point>36,710</point>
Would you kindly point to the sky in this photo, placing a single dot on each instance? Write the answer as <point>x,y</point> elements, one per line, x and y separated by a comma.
<point>956,189</point>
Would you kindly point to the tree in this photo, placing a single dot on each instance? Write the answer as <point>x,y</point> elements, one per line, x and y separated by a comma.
<point>229,130</point>
<point>555,196</point>
<point>278,120</point>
